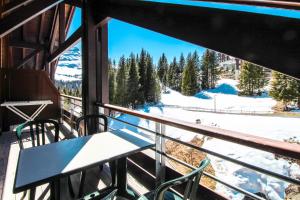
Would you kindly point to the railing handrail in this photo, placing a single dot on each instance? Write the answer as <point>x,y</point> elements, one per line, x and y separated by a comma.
<point>256,142</point>
<point>71,97</point>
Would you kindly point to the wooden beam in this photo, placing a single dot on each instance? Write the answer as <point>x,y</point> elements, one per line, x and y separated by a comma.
<point>27,59</point>
<point>89,61</point>
<point>102,69</point>
<point>25,45</point>
<point>25,14</point>
<point>266,40</point>
<point>13,5</point>
<point>268,3</point>
<point>72,40</point>
<point>62,23</point>
<point>77,3</point>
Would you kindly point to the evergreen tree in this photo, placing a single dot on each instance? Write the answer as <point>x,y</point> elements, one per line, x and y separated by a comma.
<point>284,88</point>
<point>189,78</point>
<point>181,66</point>
<point>121,91</point>
<point>171,75</point>
<point>142,75</point>
<point>133,82</point>
<point>252,79</point>
<point>213,69</point>
<point>162,70</point>
<point>205,70</point>
<point>152,90</point>
<point>209,71</point>
<point>112,82</point>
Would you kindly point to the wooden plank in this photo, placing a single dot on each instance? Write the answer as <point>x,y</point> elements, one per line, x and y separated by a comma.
<point>13,5</point>
<point>25,14</point>
<point>268,3</point>
<point>62,23</point>
<point>27,59</point>
<point>77,3</point>
<point>267,40</point>
<point>26,45</point>
<point>72,40</point>
<point>265,144</point>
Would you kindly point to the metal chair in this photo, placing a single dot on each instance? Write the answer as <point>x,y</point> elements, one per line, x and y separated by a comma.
<point>192,179</point>
<point>84,130</point>
<point>97,196</point>
<point>37,134</point>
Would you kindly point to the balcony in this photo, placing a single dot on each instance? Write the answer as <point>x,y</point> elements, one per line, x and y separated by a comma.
<point>145,169</point>
<point>47,23</point>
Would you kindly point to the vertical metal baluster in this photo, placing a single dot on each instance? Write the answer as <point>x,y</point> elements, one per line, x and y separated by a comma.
<point>159,159</point>
<point>72,102</point>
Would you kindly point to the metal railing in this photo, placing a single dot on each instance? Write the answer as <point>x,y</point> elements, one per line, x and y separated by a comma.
<point>264,144</point>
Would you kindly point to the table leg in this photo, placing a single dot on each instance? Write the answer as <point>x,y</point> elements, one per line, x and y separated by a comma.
<point>122,178</point>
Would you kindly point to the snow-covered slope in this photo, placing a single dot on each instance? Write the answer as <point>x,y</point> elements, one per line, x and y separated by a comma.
<point>278,128</point>
<point>69,66</point>
<point>223,97</point>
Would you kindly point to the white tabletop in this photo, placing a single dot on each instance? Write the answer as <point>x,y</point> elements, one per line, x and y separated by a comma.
<point>26,103</point>
<point>41,164</point>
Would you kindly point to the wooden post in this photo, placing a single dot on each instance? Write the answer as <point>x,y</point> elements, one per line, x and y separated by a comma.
<point>88,61</point>
<point>102,70</point>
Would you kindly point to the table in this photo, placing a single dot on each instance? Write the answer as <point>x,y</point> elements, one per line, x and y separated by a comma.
<point>43,164</point>
<point>12,105</point>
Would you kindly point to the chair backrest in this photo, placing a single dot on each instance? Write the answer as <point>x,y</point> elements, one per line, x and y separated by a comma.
<point>83,124</point>
<point>192,179</point>
<point>37,131</point>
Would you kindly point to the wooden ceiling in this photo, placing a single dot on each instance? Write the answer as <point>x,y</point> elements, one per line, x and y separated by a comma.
<point>35,35</point>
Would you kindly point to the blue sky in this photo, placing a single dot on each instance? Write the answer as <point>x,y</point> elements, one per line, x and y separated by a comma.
<point>126,38</point>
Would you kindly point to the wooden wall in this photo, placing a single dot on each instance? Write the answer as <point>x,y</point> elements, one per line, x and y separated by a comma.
<point>27,85</point>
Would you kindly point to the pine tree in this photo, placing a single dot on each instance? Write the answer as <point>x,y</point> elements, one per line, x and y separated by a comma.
<point>162,70</point>
<point>189,79</point>
<point>142,75</point>
<point>152,92</point>
<point>209,72</point>
<point>205,70</point>
<point>121,91</point>
<point>213,69</point>
<point>133,82</point>
<point>284,88</point>
<point>252,79</point>
<point>171,75</point>
<point>112,82</point>
<point>181,66</point>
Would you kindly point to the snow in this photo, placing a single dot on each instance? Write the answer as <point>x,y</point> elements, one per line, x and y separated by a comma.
<point>278,128</point>
<point>69,66</point>
<point>224,97</point>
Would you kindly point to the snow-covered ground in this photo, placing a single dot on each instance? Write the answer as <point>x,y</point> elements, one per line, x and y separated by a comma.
<point>278,128</point>
<point>223,97</point>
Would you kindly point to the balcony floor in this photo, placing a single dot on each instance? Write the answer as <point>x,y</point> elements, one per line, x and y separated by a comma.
<point>9,149</point>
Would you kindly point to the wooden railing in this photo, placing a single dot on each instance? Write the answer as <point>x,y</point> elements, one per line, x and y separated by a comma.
<point>265,144</point>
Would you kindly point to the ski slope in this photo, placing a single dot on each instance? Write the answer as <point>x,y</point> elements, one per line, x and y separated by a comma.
<point>278,128</point>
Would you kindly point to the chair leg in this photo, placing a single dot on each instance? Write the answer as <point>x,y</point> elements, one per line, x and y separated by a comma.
<point>55,190</point>
<point>31,195</point>
<point>71,190</point>
<point>24,195</point>
<point>81,186</point>
<point>112,167</point>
